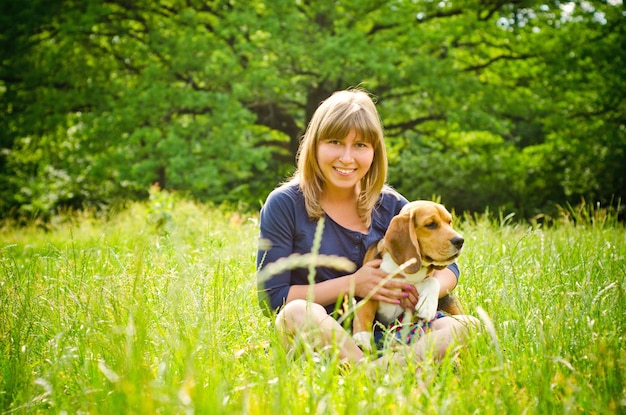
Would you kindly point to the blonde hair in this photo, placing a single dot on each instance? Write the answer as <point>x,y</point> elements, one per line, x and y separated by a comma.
<point>335,117</point>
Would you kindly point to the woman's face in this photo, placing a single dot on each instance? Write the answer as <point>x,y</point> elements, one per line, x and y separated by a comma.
<point>344,161</point>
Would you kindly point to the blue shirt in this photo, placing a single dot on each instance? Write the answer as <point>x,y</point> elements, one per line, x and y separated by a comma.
<point>286,226</point>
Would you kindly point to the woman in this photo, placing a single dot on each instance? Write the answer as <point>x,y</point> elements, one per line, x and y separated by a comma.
<point>342,168</point>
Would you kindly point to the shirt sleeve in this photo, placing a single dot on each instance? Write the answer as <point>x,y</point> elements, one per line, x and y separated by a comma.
<point>455,269</point>
<point>277,234</point>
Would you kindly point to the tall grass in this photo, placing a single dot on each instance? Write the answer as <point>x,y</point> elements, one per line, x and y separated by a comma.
<point>154,310</point>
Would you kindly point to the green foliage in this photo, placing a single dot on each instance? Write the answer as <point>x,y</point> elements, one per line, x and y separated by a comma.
<point>483,169</point>
<point>100,99</point>
<point>116,316</point>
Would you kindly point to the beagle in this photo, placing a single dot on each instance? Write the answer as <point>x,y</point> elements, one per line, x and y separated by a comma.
<point>422,230</point>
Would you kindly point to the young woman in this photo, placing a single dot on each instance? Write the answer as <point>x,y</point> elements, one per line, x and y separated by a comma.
<point>341,174</point>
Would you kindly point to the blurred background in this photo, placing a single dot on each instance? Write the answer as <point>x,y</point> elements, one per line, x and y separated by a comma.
<point>513,106</point>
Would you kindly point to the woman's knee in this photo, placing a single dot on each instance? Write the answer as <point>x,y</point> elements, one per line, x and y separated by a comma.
<point>466,322</point>
<point>295,314</point>
<point>458,325</point>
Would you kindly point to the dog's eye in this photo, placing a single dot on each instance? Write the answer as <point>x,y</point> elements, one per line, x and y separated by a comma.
<point>431,225</point>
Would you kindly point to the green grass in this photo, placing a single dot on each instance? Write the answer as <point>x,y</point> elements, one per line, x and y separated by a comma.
<point>154,310</point>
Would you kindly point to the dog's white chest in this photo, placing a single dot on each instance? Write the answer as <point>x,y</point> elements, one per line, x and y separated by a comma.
<point>428,289</point>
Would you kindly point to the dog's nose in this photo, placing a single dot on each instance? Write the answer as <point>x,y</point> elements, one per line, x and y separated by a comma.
<point>457,241</point>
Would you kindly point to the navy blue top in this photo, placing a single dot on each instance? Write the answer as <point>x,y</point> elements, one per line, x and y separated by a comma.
<point>287,227</point>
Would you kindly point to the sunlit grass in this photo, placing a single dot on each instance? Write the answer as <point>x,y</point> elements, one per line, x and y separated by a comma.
<point>154,310</point>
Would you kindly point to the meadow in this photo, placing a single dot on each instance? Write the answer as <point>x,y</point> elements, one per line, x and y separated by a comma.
<point>153,309</point>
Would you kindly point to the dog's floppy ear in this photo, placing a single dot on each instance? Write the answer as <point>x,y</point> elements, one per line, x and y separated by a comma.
<point>401,241</point>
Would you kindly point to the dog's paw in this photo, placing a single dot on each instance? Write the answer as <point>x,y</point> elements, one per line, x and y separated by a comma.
<point>363,339</point>
<point>427,312</point>
<point>426,308</point>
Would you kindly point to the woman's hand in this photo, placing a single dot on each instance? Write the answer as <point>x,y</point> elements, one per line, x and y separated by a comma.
<point>394,291</point>
<point>410,301</point>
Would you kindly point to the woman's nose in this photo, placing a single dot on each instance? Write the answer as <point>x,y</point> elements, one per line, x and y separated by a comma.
<point>346,155</point>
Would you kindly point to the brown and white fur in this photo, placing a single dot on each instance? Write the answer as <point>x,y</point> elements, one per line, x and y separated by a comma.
<point>422,230</point>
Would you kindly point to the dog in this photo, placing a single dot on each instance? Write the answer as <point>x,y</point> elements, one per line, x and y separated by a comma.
<point>423,231</point>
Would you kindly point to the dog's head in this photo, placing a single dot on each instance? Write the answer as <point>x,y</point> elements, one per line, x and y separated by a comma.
<point>423,230</point>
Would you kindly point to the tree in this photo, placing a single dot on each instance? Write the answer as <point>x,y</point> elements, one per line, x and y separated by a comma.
<point>484,103</point>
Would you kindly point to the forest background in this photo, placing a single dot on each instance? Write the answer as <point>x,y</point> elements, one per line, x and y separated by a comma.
<point>513,105</point>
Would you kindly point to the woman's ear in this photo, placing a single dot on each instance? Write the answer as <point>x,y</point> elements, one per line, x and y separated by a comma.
<point>401,242</point>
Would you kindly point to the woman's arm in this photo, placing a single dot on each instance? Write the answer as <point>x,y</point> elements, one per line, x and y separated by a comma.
<point>447,281</point>
<point>364,280</point>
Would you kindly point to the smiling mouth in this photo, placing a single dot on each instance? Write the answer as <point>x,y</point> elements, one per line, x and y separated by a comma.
<point>343,171</point>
